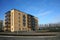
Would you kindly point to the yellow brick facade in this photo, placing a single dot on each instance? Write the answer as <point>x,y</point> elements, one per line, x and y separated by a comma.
<point>20,21</point>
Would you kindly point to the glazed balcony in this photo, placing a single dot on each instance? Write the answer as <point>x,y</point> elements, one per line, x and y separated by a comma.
<point>7,15</point>
<point>8,25</point>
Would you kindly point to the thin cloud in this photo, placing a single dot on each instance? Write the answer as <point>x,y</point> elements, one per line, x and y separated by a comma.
<point>44,13</point>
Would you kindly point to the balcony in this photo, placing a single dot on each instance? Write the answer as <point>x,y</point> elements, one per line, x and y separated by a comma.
<point>7,15</point>
<point>7,19</point>
<point>7,22</point>
<point>8,12</point>
<point>8,25</point>
<point>29,26</point>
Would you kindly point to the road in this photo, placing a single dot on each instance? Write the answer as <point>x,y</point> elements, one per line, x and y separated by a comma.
<point>5,37</point>
<point>29,38</point>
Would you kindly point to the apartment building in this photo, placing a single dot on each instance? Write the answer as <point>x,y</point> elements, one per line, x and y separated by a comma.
<point>16,20</point>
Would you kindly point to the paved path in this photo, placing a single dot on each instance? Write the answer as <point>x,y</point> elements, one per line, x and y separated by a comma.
<point>30,34</point>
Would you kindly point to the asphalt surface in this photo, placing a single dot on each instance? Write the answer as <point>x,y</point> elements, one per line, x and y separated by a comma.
<point>7,37</point>
<point>29,38</point>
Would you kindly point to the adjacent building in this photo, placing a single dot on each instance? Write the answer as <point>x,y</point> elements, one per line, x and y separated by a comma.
<point>1,25</point>
<point>16,20</point>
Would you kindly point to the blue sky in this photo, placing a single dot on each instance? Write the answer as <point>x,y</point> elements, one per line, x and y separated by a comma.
<point>47,11</point>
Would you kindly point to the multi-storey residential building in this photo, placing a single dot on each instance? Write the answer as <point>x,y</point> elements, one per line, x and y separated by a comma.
<point>16,20</point>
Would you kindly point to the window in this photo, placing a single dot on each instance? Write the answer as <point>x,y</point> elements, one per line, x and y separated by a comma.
<point>18,13</point>
<point>19,21</point>
<point>19,24</point>
<point>19,17</point>
<point>24,29</point>
<point>24,20</point>
<point>24,17</point>
<point>29,17</point>
<point>19,28</point>
<point>12,28</point>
